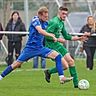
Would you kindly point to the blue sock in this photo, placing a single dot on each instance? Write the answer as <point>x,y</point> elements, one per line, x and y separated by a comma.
<point>7,71</point>
<point>59,65</point>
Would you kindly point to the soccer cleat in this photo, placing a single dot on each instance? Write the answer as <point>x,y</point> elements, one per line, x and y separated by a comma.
<point>65,79</point>
<point>1,77</point>
<point>75,86</point>
<point>47,75</point>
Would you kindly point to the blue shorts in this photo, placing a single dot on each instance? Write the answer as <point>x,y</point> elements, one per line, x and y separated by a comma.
<point>28,53</point>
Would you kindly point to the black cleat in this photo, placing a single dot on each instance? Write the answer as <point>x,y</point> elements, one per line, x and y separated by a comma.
<point>75,86</point>
<point>47,75</point>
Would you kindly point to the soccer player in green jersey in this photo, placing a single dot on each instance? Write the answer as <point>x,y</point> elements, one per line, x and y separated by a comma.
<point>56,26</point>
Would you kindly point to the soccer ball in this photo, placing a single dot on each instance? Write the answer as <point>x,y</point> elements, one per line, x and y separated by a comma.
<point>83,84</point>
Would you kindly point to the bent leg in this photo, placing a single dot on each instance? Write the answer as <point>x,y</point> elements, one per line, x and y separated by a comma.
<point>57,57</point>
<point>62,50</point>
<point>23,57</point>
<point>54,69</point>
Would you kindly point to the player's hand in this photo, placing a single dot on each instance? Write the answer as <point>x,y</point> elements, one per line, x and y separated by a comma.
<point>53,36</point>
<point>61,40</point>
<point>83,38</point>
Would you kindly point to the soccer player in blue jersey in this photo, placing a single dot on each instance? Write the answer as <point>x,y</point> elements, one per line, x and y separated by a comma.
<point>34,46</point>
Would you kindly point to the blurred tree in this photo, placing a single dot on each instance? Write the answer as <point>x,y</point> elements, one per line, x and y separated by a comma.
<point>6,11</point>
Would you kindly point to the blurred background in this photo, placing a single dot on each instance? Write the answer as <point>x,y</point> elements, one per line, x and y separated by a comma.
<point>78,12</point>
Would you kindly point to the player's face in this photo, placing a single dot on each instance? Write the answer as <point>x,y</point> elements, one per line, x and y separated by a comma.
<point>44,17</point>
<point>90,20</point>
<point>63,14</point>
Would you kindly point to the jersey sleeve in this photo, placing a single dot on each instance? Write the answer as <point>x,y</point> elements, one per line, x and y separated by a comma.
<point>51,29</point>
<point>35,22</point>
<point>65,34</point>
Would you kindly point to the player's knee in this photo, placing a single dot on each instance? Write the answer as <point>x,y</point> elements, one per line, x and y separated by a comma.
<point>57,57</point>
<point>66,67</point>
<point>65,64</point>
<point>16,65</point>
<point>71,62</point>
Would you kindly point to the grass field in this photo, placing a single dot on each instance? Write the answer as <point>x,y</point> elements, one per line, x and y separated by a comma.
<point>28,82</point>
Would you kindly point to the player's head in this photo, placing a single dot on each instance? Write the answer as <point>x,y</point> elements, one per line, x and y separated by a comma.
<point>62,12</point>
<point>43,13</point>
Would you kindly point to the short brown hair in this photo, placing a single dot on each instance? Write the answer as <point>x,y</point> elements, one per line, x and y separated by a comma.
<point>62,8</point>
<point>42,10</point>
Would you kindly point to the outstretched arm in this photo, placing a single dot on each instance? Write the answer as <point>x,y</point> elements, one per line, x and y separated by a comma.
<point>43,32</point>
<point>36,23</point>
<point>81,38</point>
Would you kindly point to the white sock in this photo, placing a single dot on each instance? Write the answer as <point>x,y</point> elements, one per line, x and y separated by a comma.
<point>1,77</point>
<point>61,76</point>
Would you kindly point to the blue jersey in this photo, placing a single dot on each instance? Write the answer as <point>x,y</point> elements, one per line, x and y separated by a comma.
<point>35,38</point>
<point>34,46</point>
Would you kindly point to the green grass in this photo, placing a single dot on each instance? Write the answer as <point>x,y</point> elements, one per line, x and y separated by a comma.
<point>28,82</point>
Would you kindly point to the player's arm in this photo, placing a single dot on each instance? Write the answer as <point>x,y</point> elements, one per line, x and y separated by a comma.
<point>37,25</point>
<point>65,34</point>
<point>52,25</point>
<point>81,38</point>
<point>43,32</point>
<point>73,38</point>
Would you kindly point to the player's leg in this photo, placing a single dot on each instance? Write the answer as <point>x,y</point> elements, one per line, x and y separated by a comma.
<point>72,69</point>
<point>25,55</point>
<point>59,48</point>
<point>54,69</point>
<point>57,57</point>
<point>15,65</point>
<point>9,69</point>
